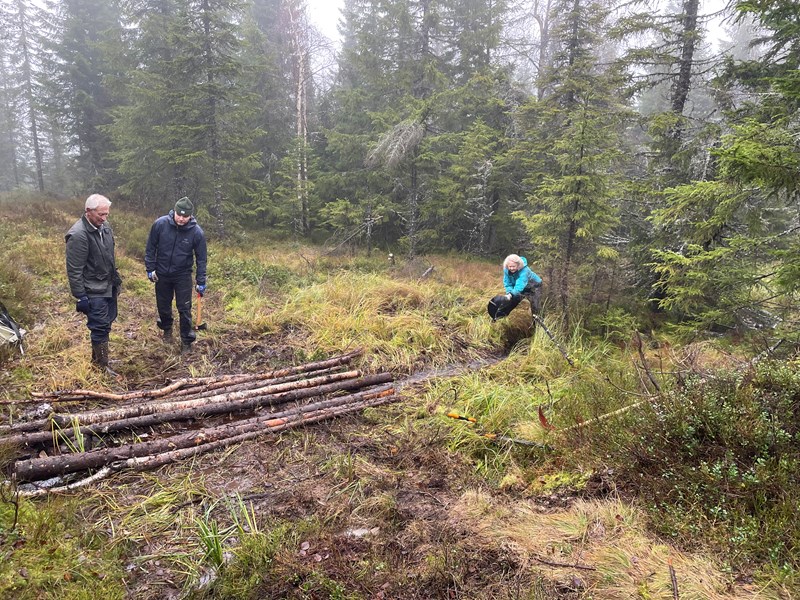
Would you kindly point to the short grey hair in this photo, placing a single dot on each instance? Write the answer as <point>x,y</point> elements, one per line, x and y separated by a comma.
<point>513,258</point>
<point>96,201</point>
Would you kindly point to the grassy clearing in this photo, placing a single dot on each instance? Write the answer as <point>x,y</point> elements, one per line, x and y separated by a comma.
<point>405,501</point>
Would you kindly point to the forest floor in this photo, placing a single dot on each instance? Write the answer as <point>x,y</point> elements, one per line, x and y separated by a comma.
<point>376,505</point>
<point>397,502</point>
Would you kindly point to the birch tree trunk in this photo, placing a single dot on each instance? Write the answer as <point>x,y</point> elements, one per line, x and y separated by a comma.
<point>40,468</point>
<point>298,36</point>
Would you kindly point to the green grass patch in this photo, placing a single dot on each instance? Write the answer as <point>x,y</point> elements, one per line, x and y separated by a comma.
<point>51,553</point>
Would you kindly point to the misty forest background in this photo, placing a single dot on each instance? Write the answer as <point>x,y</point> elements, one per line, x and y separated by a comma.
<point>632,160</point>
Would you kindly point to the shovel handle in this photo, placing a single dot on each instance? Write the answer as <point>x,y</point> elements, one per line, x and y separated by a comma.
<point>198,322</point>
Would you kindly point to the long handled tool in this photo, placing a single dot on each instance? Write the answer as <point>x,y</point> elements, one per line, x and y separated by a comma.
<point>549,333</point>
<point>495,437</point>
<point>198,322</point>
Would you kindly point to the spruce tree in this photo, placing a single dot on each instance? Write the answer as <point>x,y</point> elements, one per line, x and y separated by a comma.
<point>25,92</point>
<point>188,126</point>
<point>87,50</point>
<point>738,264</point>
<point>573,148</point>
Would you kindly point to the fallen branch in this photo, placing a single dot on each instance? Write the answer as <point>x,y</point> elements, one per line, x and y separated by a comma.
<point>605,416</point>
<point>674,579</point>
<point>551,563</point>
<point>101,474</point>
<point>546,424</point>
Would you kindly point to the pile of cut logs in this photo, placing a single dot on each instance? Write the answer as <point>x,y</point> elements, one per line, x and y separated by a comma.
<point>256,404</point>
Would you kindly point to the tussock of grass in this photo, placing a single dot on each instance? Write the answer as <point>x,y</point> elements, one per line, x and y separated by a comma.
<point>607,535</point>
<point>397,323</point>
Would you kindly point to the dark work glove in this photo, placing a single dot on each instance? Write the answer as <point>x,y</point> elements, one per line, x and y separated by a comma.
<point>152,276</point>
<point>201,289</point>
<point>82,305</point>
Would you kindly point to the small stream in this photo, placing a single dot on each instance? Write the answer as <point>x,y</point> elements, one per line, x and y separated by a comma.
<point>450,371</point>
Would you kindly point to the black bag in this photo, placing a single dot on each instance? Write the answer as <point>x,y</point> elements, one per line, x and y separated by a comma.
<point>499,306</point>
<point>9,323</point>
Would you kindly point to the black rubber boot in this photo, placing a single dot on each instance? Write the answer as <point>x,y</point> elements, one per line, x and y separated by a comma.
<point>102,358</point>
<point>165,333</point>
<point>96,353</point>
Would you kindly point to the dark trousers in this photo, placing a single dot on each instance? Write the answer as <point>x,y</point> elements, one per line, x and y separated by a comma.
<point>179,288</point>
<point>102,312</point>
<point>534,296</point>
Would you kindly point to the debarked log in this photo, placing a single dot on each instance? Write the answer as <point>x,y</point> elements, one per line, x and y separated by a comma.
<point>43,468</point>
<point>193,383</point>
<point>144,463</point>
<point>186,411</point>
<point>232,385</point>
<point>125,412</point>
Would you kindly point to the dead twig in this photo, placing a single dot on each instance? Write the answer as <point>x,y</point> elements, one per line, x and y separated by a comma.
<point>427,272</point>
<point>624,391</point>
<point>551,563</point>
<point>650,376</point>
<point>674,578</point>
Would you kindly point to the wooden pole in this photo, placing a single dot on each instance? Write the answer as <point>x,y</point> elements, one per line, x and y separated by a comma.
<point>185,410</point>
<point>43,468</point>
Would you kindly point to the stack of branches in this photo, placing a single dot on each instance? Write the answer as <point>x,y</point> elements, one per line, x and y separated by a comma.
<point>256,404</point>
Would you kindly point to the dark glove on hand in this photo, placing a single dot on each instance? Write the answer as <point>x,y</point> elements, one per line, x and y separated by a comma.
<point>152,276</point>
<point>201,289</point>
<point>82,305</point>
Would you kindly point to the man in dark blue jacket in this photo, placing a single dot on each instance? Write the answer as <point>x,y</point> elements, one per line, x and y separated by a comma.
<point>175,241</point>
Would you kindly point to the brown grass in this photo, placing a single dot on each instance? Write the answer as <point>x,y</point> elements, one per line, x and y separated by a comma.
<point>610,537</point>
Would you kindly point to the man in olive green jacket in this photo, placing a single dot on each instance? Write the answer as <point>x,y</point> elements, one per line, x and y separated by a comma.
<point>92,273</point>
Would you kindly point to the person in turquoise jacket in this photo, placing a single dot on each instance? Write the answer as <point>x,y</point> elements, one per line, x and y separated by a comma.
<point>521,282</point>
